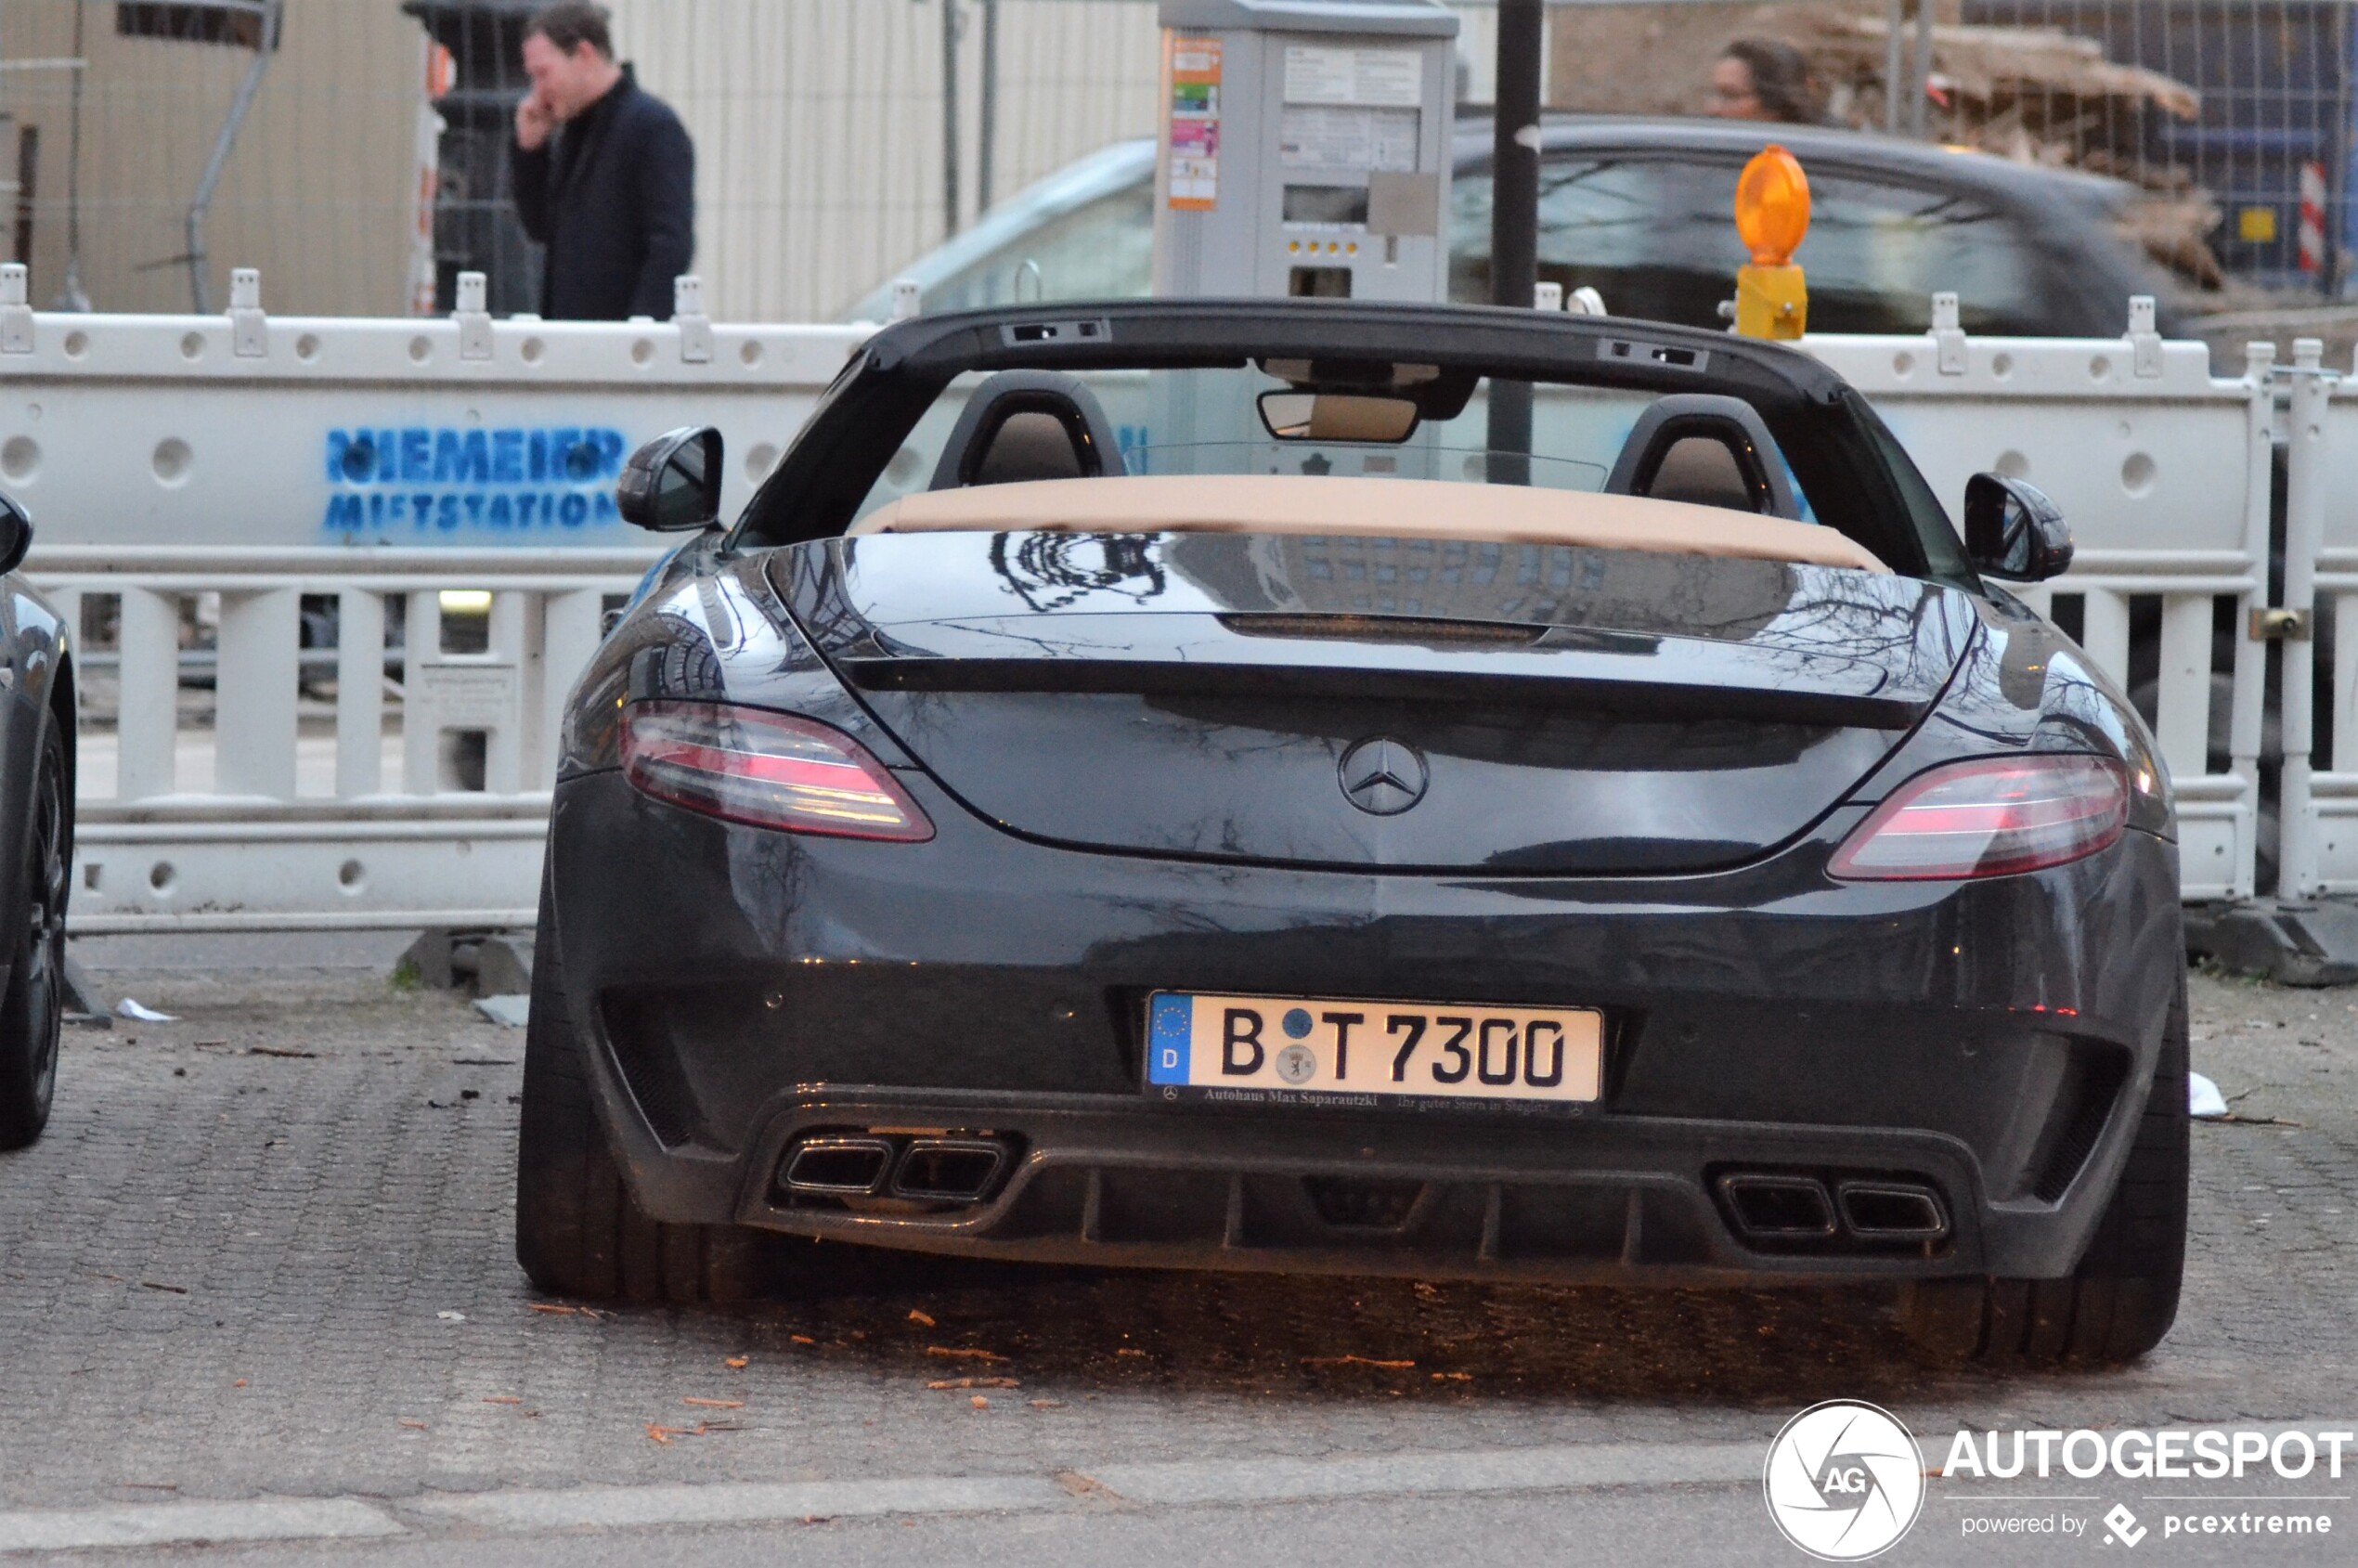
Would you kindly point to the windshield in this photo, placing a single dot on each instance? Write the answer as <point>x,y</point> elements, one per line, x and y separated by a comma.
<point>1213,422</point>
<point>1339,395</point>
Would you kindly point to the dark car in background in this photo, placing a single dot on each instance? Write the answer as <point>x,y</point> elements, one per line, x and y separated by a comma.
<point>37,722</point>
<point>1641,210</point>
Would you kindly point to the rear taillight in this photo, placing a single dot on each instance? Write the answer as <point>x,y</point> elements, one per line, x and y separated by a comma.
<point>1994,816</point>
<point>766,769</point>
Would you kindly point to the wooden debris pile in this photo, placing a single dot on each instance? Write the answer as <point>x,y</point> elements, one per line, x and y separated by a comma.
<point>2036,96</point>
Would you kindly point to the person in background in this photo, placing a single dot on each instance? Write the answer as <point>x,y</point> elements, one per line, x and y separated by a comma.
<point>604,174</point>
<point>1762,78</point>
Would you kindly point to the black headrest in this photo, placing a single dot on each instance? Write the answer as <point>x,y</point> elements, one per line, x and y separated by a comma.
<point>1029,424</point>
<point>1653,463</point>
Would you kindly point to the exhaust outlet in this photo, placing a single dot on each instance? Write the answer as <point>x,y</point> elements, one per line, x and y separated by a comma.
<point>949,1170</point>
<point>1892,1212</point>
<point>835,1165</point>
<point>1772,1208</point>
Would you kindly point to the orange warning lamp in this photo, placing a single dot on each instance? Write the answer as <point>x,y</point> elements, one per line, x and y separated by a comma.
<point>1772,206</point>
<point>1772,217</point>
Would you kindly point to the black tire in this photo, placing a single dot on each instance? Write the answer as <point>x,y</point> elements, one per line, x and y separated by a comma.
<point>32,1013</point>
<point>579,1232</point>
<point>2123,1297</point>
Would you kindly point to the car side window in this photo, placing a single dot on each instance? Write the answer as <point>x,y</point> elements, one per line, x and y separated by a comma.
<point>1102,251</point>
<point>1624,226</point>
<point>1656,236</point>
<point>1877,252</point>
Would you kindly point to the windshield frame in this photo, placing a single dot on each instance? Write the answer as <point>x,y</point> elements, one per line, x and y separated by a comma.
<point>815,491</point>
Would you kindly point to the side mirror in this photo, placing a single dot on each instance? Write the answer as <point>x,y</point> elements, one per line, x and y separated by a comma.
<point>672,484</point>
<point>16,533</point>
<point>2013,531</point>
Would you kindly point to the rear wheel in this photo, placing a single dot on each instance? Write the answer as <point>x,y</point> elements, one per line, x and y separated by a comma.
<point>579,1232</point>
<point>2121,1300</point>
<point>32,1013</point>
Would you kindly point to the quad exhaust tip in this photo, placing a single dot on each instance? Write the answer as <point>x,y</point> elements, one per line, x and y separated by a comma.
<point>1785,1209</point>
<point>1892,1212</point>
<point>927,1170</point>
<point>835,1166</point>
<point>948,1169</point>
<point>1770,1207</point>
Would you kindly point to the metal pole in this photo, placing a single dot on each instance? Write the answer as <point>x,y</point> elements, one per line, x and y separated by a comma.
<point>1896,23</point>
<point>71,297</point>
<point>986,111</point>
<point>200,264</point>
<point>1920,116</point>
<point>949,117</point>
<point>1514,219</point>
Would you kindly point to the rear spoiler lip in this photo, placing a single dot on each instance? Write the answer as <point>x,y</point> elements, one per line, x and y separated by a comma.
<point>1655,701</point>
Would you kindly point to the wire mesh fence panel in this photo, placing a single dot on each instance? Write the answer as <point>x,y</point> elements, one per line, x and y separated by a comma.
<point>373,160</point>
<point>2263,144</point>
<point>359,151</point>
<point>2231,118</point>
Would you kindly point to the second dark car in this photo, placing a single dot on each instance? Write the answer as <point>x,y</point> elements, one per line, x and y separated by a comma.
<point>1641,211</point>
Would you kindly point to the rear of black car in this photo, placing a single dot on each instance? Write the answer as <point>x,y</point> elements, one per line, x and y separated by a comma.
<point>1302,901</point>
<point>941,1041</point>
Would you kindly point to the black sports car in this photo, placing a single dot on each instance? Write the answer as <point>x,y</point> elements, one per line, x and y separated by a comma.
<point>1364,789</point>
<point>37,731</point>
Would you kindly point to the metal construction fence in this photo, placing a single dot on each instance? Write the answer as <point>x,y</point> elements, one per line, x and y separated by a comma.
<point>356,150</point>
<point>334,576</point>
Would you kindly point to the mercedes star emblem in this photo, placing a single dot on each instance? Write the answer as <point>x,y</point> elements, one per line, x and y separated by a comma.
<point>1384,776</point>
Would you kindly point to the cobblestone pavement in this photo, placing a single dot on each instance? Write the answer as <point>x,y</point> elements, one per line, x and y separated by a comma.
<point>266,1250</point>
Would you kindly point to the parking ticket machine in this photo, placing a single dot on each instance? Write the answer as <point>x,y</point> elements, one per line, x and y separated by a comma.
<point>1305,148</point>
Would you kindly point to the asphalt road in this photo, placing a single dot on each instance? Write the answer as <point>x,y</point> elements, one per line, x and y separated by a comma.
<point>256,1284</point>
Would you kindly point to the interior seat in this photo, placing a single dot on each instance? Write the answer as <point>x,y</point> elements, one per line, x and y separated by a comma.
<point>1705,450</point>
<point>1025,425</point>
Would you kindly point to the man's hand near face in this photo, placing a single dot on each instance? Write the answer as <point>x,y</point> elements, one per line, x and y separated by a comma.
<point>535,119</point>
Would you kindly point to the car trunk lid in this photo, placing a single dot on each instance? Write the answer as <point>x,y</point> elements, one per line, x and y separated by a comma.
<point>1399,704</point>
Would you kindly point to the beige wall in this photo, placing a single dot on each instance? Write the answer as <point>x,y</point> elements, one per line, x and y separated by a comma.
<point>818,125</point>
<point>317,193</point>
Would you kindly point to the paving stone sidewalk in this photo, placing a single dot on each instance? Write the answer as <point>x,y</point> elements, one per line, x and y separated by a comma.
<point>266,1250</point>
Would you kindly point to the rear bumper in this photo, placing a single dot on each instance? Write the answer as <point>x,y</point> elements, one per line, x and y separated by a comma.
<point>741,989</point>
<point>1136,1185</point>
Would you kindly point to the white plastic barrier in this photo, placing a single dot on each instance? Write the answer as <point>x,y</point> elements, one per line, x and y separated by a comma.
<point>2163,473</point>
<point>265,460</point>
<point>2319,810</point>
<point>298,434</point>
<point>362,822</point>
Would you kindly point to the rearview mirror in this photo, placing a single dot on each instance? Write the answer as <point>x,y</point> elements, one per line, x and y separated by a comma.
<point>16,533</point>
<point>1338,416</point>
<point>2013,531</point>
<point>672,484</point>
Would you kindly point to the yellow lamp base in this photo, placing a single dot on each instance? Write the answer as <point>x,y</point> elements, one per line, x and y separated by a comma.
<point>1771,302</point>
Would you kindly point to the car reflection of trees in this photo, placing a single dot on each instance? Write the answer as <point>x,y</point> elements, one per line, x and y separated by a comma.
<point>1814,616</point>
<point>1051,571</point>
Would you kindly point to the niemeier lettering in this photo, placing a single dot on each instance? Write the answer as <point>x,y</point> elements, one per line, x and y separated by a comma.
<point>2194,1453</point>
<point>421,479</point>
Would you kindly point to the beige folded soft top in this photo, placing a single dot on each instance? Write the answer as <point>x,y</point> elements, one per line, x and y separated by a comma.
<point>1385,508</point>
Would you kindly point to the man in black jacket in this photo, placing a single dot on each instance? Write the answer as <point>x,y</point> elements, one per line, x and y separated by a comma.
<point>605,174</point>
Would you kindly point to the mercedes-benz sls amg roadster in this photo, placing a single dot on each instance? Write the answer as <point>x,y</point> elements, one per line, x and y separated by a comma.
<point>1314,786</point>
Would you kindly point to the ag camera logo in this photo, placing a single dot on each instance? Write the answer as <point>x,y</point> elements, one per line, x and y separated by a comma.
<point>1843,1481</point>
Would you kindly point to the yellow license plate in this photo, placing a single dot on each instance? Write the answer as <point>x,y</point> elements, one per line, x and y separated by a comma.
<point>1283,1049</point>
